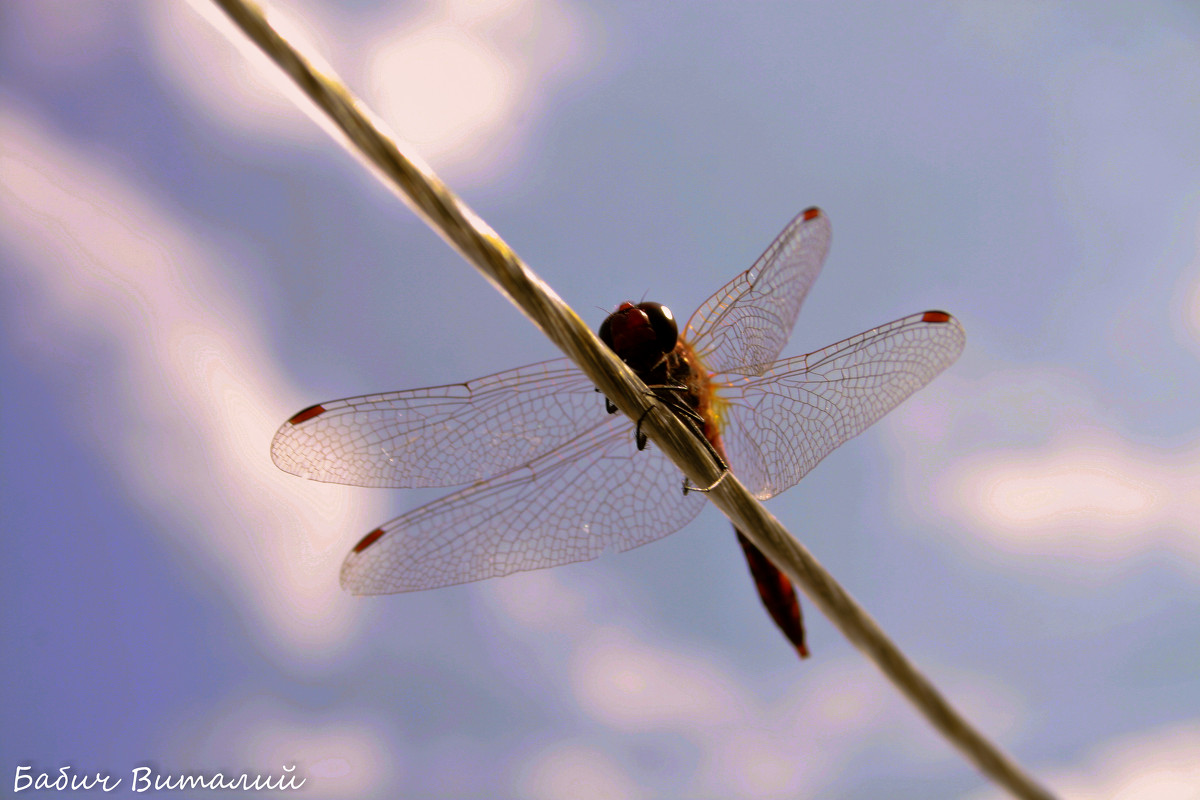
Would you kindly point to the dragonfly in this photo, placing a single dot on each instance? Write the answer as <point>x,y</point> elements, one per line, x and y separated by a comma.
<point>548,475</point>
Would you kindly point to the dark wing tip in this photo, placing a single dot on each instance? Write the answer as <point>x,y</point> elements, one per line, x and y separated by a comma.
<point>811,213</point>
<point>306,414</point>
<point>368,540</point>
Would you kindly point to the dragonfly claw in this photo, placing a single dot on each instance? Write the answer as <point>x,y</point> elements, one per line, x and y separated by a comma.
<point>638,436</point>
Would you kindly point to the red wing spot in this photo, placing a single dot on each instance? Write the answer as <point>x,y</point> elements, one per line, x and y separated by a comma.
<point>307,414</point>
<point>811,213</point>
<point>368,540</point>
<point>935,316</point>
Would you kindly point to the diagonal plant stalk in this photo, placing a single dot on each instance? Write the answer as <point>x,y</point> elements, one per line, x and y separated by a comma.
<point>486,251</point>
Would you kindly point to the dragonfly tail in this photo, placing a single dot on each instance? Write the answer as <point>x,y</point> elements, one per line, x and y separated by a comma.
<point>777,594</point>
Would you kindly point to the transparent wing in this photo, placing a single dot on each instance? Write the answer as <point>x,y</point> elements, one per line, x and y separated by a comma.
<point>456,434</point>
<point>776,427</point>
<point>441,435</point>
<point>742,328</point>
<point>594,493</point>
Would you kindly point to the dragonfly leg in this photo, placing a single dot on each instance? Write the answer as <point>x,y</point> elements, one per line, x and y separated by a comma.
<point>638,436</point>
<point>670,401</point>
<point>716,454</point>
<point>609,405</point>
<point>670,396</point>
<point>687,485</point>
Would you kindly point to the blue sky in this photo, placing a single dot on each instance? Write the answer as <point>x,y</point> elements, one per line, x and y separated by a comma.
<point>186,259</point>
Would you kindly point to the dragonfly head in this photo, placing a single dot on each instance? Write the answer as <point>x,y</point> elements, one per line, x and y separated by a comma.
<point>640,334</point>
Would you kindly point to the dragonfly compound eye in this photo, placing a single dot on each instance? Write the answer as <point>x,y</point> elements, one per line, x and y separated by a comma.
<point>606,332</point>
<point>666,332</point>
<point>640,335</point>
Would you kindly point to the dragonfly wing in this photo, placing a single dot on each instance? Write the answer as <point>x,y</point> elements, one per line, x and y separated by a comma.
<point>594,493</point>
<point>743,327</point>
<point>778,426</point>
<point>441,435</point>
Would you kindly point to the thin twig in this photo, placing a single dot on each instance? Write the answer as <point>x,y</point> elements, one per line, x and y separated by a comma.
<point>483,248</point>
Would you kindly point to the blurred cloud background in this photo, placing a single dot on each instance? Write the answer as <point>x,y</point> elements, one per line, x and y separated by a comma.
<point>186,260</point>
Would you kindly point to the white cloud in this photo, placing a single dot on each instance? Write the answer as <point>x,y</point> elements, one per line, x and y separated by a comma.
<point>632,685</point>
<point>441,86</point>
<point>1030,466</point>
<point>1186,313</point>
<point>796,745</point>
<point>186,409</point>
<point>538,600</point>
<point>1089,498</point>
<point>464,82</point>
<point>1162,764</point>
<point>70,35</point>
<point>1192,311</point>
<point>231,80</point>
<point>748,748</point>
<point>576,771</point>
<point>338,758</point>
